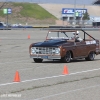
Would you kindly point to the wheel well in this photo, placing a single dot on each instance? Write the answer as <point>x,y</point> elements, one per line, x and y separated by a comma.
<point>95,52</point>
<point>71,54</point>
<point>92,51</point>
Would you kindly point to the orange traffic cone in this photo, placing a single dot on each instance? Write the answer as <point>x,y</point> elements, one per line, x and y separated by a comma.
<point>17,77</point>
<point>65,71</point>
<point>28,37</point>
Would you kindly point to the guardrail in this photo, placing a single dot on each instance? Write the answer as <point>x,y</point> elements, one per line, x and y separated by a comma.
<point>56,28</point>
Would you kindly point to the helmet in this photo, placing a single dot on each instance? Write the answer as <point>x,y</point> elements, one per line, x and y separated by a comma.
<point>76,33</point>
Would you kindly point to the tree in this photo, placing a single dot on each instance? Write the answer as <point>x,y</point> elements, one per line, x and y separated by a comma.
<point>86,16</point>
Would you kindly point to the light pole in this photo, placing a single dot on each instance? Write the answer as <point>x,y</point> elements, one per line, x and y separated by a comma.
<point>74,12</point>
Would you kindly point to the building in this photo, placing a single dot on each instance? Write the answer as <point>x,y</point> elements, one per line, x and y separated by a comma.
<point>95,21</point>
<point>71,13</point>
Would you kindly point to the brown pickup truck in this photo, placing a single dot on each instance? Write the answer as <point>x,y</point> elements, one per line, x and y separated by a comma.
<point>65,45</point>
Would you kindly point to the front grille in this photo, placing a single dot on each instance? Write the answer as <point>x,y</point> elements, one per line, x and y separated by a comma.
<point>45,50</point>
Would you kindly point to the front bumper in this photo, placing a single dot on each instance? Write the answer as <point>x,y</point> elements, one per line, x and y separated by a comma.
<point>45,56</point>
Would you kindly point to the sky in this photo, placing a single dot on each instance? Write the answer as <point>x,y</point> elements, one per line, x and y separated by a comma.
<point>81,2</point>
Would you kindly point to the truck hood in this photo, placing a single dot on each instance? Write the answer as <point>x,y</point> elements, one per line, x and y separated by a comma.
<point>50,43</point>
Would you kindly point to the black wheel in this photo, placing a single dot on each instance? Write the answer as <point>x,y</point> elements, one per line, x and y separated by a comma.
<point>67,57</point>
<point>37,60</point>
<point>91,56</point>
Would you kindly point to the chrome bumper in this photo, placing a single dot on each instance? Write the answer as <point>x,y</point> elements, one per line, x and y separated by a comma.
<point>46,56</point>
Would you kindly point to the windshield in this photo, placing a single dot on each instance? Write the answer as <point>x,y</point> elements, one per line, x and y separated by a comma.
<point>59,35</point>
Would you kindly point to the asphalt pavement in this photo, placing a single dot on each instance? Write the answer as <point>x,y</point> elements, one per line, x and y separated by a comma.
<point>43,81</point>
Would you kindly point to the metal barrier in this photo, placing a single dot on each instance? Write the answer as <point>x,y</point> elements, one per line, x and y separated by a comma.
<point>56,28</point>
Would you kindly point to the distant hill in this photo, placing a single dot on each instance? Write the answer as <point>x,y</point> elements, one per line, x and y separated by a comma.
<point>31,13</point>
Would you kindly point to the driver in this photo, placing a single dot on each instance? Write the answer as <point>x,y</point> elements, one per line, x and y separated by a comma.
<point>76,36</point>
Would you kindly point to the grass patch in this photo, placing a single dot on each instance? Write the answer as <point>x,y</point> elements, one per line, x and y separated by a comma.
<point>33,11</point>
<point>1,13</point>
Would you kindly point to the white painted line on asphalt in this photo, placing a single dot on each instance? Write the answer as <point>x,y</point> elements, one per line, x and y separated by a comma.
<point>85,71</point>
<point>68,92</point>
<point>50,77</point>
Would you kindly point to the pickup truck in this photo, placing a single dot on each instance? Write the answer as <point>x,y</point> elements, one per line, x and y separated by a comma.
<point>62,45</point>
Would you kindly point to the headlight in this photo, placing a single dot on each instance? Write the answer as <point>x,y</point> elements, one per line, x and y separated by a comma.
<point>33,50</point>
<point>57,50</point>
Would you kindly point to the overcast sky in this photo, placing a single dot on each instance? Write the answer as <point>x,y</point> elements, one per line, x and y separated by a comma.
<point>86,2</point>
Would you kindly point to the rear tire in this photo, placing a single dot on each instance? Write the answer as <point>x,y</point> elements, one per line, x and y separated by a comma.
<point>37,60</point>
<point>91,56</point>
<point>67,57</point>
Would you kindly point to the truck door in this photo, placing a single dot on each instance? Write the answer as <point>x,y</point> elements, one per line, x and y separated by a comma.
<point>80,49</point>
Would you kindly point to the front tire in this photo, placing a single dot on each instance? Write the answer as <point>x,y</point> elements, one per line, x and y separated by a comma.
<point>91,56</point>
<point>67,57</point>
<point>37,60</point>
